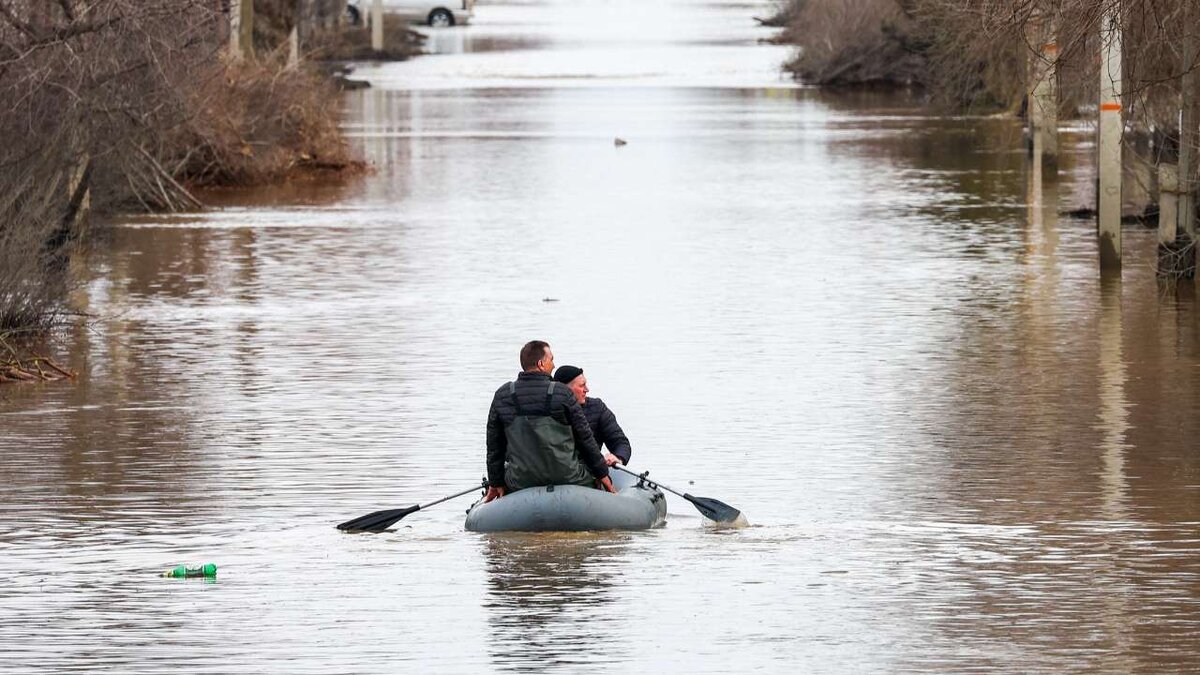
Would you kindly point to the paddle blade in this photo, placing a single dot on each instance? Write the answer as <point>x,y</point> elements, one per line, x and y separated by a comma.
<point>376,522</point>
<point>714,509</point>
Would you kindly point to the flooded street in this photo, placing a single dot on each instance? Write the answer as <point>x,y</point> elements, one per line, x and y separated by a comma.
<point>859,322</point>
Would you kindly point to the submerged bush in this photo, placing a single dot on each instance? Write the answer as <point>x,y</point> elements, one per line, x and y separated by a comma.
<point>256,123</point>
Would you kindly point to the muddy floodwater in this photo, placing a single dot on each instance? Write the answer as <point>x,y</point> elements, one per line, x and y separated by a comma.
<point>863,324</point>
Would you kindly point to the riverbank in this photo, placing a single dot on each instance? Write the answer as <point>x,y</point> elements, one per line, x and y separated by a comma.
<point>1130,70</point>
<point>843,44</point>
<point>258,123</point>
<point>133,111</point>
<point>886,43</point>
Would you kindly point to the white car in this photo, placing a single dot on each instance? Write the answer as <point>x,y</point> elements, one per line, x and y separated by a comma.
<point>435,13</point>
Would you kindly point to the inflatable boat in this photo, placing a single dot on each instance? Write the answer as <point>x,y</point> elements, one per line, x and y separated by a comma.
<point>573,508</point>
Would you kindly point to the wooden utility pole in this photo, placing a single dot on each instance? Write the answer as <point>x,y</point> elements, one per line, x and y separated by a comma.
<point>377,25</point>
<point>1109,197</point>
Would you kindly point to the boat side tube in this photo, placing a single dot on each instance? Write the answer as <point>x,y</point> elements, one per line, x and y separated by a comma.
<point>570,508</point>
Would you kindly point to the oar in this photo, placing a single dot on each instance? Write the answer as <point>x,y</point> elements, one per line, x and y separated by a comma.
<point>713,509</point>
<point>382,520</point>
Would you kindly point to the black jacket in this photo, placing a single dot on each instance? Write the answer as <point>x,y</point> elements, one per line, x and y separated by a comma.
<point>605,428</point>
<point>531,392</point>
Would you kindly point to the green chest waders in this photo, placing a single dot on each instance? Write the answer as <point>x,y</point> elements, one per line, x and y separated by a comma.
<point>541,450</point>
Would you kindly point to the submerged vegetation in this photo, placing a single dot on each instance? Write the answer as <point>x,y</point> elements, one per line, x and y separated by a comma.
<point>21,364</point>
<point>255,123</point>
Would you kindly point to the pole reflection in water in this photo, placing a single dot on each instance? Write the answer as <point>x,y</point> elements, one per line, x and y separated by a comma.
<point>1113,424</point>
<point>1114,409</point>
<point>1044,275</point>
<point>1043,210</point>
<point>546,595</point>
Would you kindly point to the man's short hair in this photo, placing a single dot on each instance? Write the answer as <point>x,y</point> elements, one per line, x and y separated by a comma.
<point>531,353</point>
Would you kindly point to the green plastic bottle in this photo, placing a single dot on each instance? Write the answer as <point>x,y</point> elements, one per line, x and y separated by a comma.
<point>207,570</point>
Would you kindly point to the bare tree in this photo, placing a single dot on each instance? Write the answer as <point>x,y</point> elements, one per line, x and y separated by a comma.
<point>974,52</point>
<point>118,103</point>
<point>88,85</point>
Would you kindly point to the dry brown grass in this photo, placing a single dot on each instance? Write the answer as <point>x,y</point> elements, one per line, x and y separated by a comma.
<point>256,123</point>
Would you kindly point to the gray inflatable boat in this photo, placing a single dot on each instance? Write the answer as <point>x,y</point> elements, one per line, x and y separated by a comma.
<point>572,508</point>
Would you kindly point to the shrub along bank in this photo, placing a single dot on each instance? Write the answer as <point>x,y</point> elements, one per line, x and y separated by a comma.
<point>978,54</point>
<point>128,105</point>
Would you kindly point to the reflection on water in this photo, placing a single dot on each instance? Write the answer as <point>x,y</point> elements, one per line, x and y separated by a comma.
<point>863,324</point>
<point>547,595</point>
<point>1113,414</point>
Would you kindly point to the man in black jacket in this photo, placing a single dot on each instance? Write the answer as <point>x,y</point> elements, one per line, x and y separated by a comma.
<point>602,420</point>
<point>537,433</point>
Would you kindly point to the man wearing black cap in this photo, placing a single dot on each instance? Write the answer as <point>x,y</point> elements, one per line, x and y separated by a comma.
<point>537,433</point>
<point>602,420</point>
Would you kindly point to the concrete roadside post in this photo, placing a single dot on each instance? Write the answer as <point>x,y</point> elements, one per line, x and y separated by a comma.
<point>1109,197</point>
<point>1043,91</point>
<point>1189,134</point>
<point>1168,204</point>
<point>298,17</point>
<point>235,29</point>
<point>377,25</point>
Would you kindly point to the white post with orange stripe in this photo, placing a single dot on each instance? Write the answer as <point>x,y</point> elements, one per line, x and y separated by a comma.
<point>1043,94</point>
<point>1109,208</point>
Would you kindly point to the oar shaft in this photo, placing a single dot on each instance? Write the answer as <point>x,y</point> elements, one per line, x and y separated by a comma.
<point>713,509</point>
<point>446,499</point>
<point>648,480</point>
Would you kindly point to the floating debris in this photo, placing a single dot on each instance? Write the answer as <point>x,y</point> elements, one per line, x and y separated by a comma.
<point>206,571</point>
<point>19,363</point>
<point>34,369</point>
<point>620,141</point>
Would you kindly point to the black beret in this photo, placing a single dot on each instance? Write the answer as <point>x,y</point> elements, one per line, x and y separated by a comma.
<point>565,374</point>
